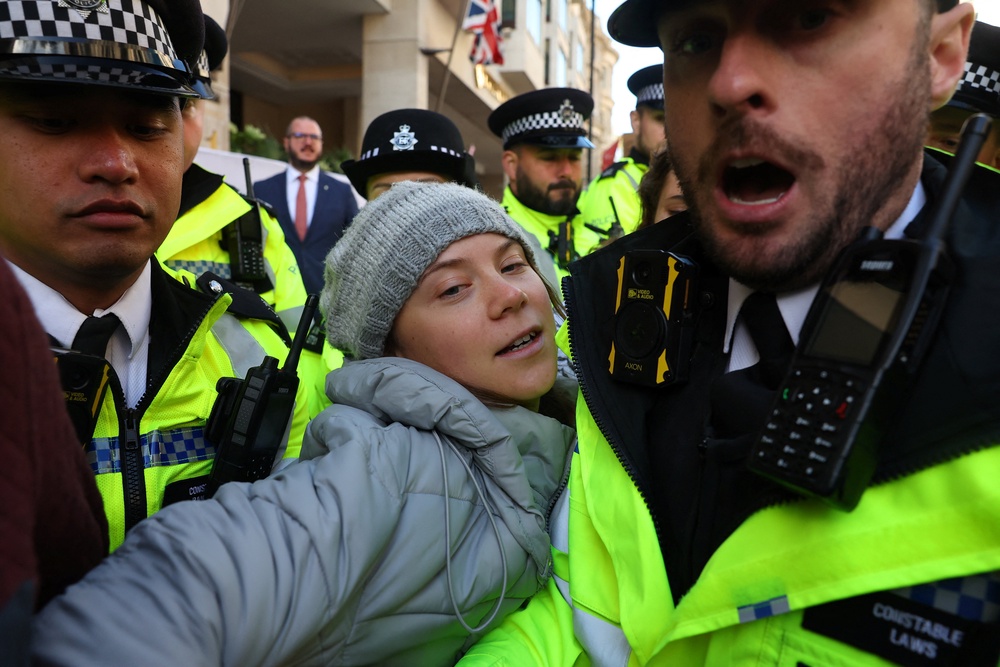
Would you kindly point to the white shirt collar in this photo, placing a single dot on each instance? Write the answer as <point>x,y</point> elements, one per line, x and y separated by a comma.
<point>794,306</point>
<point>292,175</point>
<point>62,320</point>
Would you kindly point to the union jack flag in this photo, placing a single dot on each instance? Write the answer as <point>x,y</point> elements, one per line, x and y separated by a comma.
<point>483,19</point>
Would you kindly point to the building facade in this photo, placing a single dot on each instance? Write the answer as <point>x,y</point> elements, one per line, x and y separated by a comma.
<point>344,62</point>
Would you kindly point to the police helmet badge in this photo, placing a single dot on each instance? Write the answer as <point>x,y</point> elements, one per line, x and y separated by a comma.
<point>566,111</point>
<point>84,7</point>
<point>404,140</point>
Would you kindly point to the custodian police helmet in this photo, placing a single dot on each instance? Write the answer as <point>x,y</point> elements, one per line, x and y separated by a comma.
<point>411,140</point>
<point>551,117</point>
<point>147,45</point>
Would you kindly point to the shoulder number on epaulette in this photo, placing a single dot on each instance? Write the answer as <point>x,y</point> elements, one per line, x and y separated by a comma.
<point>613,169</point>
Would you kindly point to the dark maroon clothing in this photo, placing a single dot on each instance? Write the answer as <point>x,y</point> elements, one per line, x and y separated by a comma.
<point>52,524</point>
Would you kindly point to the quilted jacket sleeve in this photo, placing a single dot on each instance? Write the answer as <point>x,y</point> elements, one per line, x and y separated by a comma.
<point>262,574</point>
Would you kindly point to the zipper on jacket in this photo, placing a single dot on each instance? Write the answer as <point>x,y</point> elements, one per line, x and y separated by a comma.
<point>133,471</point>
<point>598,415</point>
<point>132,464</point>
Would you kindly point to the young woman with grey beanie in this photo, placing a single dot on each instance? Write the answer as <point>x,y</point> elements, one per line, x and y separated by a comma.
<point>420,520</point>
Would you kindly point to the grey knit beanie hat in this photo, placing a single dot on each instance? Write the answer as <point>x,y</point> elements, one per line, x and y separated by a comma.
<point>376,265</point>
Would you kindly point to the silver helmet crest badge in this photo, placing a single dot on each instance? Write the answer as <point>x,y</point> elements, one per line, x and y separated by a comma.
<point>84,7</point>
<point>566,111</point>
<point>404,140</point>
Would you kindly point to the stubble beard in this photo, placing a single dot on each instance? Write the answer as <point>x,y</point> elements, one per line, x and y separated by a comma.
<point>300,164</point>
<point>542,201</point>
<point>858,196</point>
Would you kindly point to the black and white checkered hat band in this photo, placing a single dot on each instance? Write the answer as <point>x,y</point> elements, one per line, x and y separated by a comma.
<point>203,71</point>
<point>374,152</point>
<point>134,32</point>
<point>548,120</point>
<point>652,93</point>
<point>106,75</point>
<point>980,76</point>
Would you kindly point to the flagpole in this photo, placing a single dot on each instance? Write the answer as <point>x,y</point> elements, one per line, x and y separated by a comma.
<point>590,121</point>
<point>451,52</point>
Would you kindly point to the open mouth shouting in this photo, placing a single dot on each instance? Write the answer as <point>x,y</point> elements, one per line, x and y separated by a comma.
<point>753,189</point>
<point>754,182</point>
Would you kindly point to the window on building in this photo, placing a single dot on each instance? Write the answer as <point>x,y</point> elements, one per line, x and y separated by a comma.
<point>580,55</point>
<point>508,14</point>
<point>560,68</point>
<point>548,62</point>
<point>533,16</point>
<point>562,9</point>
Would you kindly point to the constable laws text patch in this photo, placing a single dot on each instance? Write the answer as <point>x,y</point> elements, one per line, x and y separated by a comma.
<point>906,632</point>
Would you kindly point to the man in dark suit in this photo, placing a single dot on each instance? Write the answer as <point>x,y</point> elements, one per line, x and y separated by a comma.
<point>313,208</point>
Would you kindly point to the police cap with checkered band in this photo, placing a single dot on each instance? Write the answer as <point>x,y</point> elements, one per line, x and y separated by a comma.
<point>210,59</point>
<point>635,23</point>
<point>979,87</point>
<point>146,45</point>
<point>551,117</point>
<point>647,86</point>
<point>411,140</point>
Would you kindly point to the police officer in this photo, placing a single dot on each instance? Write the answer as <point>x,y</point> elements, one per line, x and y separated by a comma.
<point>978,91</point>
<point>544,136</point>
<point>792,129</point>
<point>91,163</point>
<point>410,145</point>
<point>610,205</point>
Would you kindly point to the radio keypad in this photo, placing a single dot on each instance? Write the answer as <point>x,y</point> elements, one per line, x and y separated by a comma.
<point>799,437</point>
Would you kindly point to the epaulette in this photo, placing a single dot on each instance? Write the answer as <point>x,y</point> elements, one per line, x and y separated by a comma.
<point>246,303</point>
<point>613,169</point>
<point>263,204</point>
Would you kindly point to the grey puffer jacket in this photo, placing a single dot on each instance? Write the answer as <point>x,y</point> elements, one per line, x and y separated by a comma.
<point>342,559</point>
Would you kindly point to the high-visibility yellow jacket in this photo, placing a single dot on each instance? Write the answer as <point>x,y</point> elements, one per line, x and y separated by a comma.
<point>795,582</point>
<point>618,183</point>
<point>156,453</point>
<point>197,243</point>
<point>544,228</point>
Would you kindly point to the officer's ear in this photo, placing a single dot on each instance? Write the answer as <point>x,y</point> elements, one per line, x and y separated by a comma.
<point>635,116</point>
<point>949,45</point>
<point>509,161</point>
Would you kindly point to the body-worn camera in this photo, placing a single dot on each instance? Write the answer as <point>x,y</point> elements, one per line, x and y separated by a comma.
<point>654,318</point>
<point>85,379</point>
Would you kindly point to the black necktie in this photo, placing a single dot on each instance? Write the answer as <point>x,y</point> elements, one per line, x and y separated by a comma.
<point>94,334</point>
<point>741,399</point>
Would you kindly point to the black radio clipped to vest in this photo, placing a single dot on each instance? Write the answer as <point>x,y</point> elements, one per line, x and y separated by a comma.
<point>250,416</point>
<point>859,352</point>
<point>244,240</point>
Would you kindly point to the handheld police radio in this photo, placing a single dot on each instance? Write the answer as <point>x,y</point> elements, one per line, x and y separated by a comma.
<point>860,348</point>
<point>244,239</point>
<point>615,231</point>
<point>561,244</point>
<point>250,416</point>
